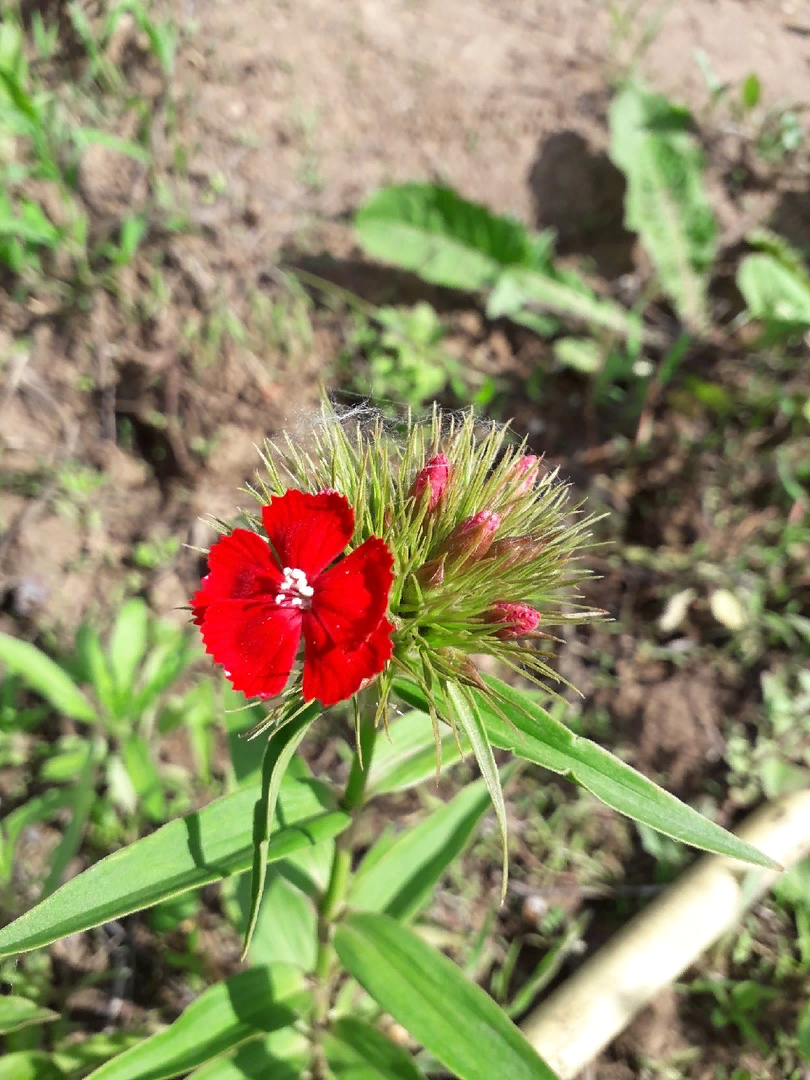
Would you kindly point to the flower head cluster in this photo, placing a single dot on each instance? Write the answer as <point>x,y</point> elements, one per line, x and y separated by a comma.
<point>459,544</point>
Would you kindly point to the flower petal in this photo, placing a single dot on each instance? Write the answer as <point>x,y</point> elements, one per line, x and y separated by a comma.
<point>335,673</point>
<point>240,567</point>
<point>350,597</point>
<point>308,531</point>
<point>255,641</point>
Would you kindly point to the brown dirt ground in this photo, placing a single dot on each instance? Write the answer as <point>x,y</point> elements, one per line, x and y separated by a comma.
<point>284,118</point>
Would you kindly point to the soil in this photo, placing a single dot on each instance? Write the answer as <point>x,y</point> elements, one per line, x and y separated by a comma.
<point>281,119</point>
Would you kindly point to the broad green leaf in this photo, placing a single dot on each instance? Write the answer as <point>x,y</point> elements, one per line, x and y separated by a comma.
<point>468,719</point>
<point>144,776</point>
<point>224,1016</point>
<point>530,732</point>
<point>774,292</point>
<point>407,756</point>
<point>46,677</point>
<point>182,855</point>
<point>533,734</point>
<point>357,1051</point>
<point>282,1055</point>
<point>281,745</point>
<point>398,875</point>
<point>522,290</point>
<point>448,1014</point>
<point>19,1012</point>
<point>29,1065</point>
<point>447,240</point>
<point>128,645</point>
<point>286,929</point>
<point>666,202</point>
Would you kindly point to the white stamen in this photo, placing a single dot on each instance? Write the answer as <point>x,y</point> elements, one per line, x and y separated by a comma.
<point>295,590</point>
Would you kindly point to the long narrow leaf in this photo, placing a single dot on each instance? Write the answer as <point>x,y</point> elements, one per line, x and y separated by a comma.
<point>450,1015</point>
<point>355,1050</point>
<point>183,855</point>
<point>531,733</point>
<point>46,677</point>
<point>468,717</point>
<point>19,1012</point>
<point>408,756</point>
<point>237,1009</point>
<point>281,746</point>
<point>401,880</point>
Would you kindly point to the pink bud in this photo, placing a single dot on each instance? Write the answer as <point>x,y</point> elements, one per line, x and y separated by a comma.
<point>471,539</point>
<point>433,478</point>
<point>527,468</point>
<point>430,574</point>
<point>515,620</point>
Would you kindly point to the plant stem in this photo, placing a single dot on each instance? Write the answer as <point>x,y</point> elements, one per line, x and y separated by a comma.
<point>340,874</point>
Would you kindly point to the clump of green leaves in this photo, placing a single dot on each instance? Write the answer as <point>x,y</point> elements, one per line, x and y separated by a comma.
<point>123,716</point>
<point>776,758</point>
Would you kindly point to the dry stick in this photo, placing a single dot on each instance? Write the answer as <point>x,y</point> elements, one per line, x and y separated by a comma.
<point>592,1007</point>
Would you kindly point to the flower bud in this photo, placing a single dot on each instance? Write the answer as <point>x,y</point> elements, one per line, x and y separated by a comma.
<point>516,550</point>
<point>514,620</point>
<point>430,574</point>
<point>527,468</point>
<point>431,479</point>
<point>471,539</point>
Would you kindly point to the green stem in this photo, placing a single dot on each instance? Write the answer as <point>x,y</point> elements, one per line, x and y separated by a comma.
<point>334,896</point>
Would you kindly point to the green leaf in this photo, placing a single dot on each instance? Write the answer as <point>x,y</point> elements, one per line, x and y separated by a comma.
<point>286,927</point>
<point>408,756</point>
<point>357,1051</point>
<point>521,290</point>
<point>774,292</point>
<point>281,745</point>
<point>224,1016</point>
<point>128,644</point>
<point>283,1055</point>
<point>751,91</point>
<point>533,734</point>
<point>399,877</point>
<point>530,732</point>
<point>19,1012</point>
<point>447,240</point>
<point>182,855</point>
<point>41,808</point>
<point>468,718</point>
<point>96,669</point>
<point>83,795</point>
<point>144,776</point>
<point>46,677</point>
<point>666,202</point>
<point>448,1014</point>
<point>29,1065</point>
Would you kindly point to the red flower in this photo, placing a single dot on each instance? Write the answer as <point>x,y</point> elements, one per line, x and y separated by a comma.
<point>259,598</point>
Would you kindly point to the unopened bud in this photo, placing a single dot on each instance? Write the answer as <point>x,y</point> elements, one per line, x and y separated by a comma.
<point>527,468</point>
<point>471,539</point>
<point>516,550</point>
<point>513,620</point>
<point>430,574</point>
<point>433,480</point>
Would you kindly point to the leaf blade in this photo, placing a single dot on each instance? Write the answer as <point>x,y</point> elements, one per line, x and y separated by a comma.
<point>47,678</point>
<point>182,855</point>
<point>413,982</point>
